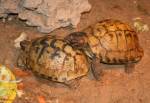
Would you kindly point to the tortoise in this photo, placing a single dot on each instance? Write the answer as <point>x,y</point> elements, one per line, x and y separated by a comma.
<point>110,41</point>
<point>53,59</point>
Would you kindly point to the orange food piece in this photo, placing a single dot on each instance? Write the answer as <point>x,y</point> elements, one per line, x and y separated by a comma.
<point>20,86</point>
<point>41,99</point>
<point>20,73</point>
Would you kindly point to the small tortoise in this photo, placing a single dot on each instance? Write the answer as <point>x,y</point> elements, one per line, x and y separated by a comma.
<point>111,41</point>
<point>53,58</point>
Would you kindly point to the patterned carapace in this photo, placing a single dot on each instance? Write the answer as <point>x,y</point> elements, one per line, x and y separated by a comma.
<point>53,58</point>
<point>112,41</point>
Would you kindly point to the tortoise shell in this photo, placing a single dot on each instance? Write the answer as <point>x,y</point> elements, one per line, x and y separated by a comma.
<point>112,41</point>
<point>53,58</point>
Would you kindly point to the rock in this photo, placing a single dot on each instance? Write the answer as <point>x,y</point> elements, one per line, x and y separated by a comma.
<point>31,4</point>
<point>46,15</point>
<point>9,6</point>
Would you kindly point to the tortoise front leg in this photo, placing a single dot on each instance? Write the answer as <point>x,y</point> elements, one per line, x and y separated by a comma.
<point>95,70</point>
<point>73,84</point>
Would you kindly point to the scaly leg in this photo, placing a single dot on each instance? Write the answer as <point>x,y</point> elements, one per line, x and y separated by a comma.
<point>95,71</point>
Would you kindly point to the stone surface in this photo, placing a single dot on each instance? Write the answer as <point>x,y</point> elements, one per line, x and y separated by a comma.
<point>46,15</point>
<point>9,6</point>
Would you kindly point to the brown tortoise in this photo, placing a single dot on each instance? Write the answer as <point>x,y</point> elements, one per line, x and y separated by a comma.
<point>111,41</point>
<point>53,58</point>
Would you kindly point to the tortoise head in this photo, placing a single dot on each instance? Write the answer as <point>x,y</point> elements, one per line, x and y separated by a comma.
<point>79,40</point>
<point>22,58</point>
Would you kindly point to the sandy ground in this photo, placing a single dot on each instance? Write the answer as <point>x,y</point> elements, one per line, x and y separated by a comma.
<point>115,85</point>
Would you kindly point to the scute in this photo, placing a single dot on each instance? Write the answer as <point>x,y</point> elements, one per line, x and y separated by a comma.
<point>109,41</point>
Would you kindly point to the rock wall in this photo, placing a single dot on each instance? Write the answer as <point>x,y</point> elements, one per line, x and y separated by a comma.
<point>46,15</point>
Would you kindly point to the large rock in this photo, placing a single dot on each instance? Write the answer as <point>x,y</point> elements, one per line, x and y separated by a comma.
<point>47,15</point>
